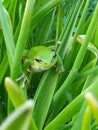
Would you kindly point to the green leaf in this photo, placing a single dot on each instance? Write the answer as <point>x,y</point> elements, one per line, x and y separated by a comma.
<point>82,119</point>
<point>86,119</point>
<point>45,26</point>
<point>78,60</point>
<point>71,109</point>
<point>43,10</point>
<point>65,35</point>
<point>23,37</point>
<point>14,92</point>
<point>3,67</point>
<point>93,104</point>
<point>44,97</point>
<point>7,31</point>
<point>20,118</point>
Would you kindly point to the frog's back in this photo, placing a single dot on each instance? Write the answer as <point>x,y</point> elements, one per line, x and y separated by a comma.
<point>41,52</point>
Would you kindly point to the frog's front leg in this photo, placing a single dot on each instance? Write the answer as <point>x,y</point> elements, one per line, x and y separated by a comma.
<point>24,79</point>
<point>60,64</point>
<point>56,58</point>
<point>21,77</point>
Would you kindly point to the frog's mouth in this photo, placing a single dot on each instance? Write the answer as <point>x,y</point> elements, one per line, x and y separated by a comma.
<point>34,69</point>
<point>37,68</point>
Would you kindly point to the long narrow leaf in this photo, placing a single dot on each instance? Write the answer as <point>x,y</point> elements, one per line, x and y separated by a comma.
<point>7,34</point>
<point>67,113</point>
<point>19,119</point>
<point>79,59</point>
<point>23,37</point>
<point>44,98</point>
<point>17,97</point>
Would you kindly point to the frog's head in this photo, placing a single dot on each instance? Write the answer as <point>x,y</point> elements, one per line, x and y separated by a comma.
<point>37,65</point>
<point>39,59</point>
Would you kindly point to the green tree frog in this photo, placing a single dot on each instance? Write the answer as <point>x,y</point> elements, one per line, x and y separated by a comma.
<point>41,58</point>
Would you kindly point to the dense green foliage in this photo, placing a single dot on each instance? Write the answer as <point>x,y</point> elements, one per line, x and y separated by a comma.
<point>49,100</point>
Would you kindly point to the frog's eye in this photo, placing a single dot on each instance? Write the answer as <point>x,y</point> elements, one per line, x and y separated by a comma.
<point>37,59</point>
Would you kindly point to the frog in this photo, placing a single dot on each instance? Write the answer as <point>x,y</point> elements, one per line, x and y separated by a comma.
<point>41,58</point>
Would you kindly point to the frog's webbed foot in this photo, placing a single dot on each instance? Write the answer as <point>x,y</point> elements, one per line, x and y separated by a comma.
<point>25,79</point>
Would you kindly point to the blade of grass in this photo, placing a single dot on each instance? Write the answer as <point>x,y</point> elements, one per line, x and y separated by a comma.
<point>7,34</point>
<point>39,14</point>
<point>91,77</point>
<point>90,47</point>
<point>79,59</point>
<point>62,49</point>
<point>44,98</point>
<point>59,21</point>
<point>39,4</point>
<point>44,10</point>
<point>22,39</point>
<point>96,37</point>
<point>45,26</point>
<point>3,67</point>
<point>68,16</point>
<point>21,118</point>
<point>6,3</point>
<point>83,117</point>
<point>67,113</point>
<point>70,51</point>
<point>12,10</point>
<point>93,104</point>
<point>15,93</point>
<point>88,72</point>
<point>86,120</point>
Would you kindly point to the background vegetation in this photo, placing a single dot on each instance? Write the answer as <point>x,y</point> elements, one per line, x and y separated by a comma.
<point>51,100</point>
